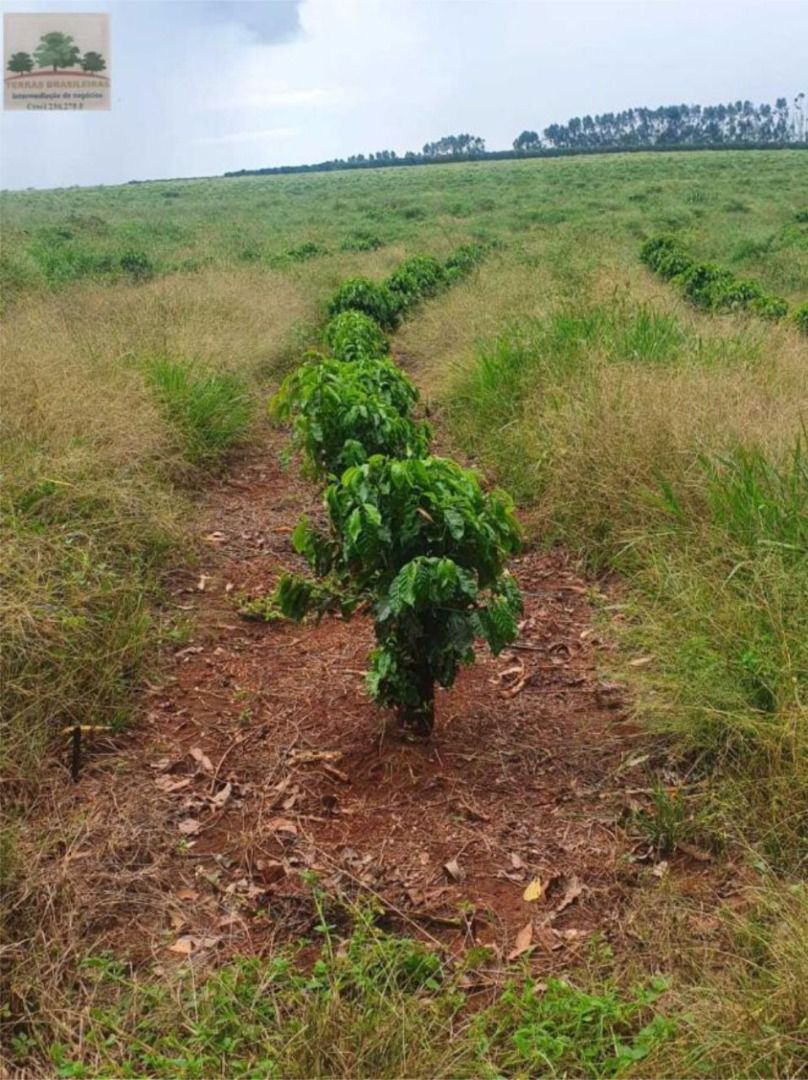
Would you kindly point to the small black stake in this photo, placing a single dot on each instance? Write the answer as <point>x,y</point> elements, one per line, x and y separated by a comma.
<point>75,757</point>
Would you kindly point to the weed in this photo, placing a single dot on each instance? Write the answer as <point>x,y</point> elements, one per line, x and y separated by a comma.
<point>211,411</point>
<point>310,250</point>
<point>137,265</point>
<point>667,823</point>
<point>369,1005</point>
<point>362,241</point>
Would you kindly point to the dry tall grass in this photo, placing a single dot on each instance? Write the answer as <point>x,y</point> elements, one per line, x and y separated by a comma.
<point>89,465</point>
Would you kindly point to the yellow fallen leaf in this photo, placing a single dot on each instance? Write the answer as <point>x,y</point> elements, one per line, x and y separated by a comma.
<point>533,891</point>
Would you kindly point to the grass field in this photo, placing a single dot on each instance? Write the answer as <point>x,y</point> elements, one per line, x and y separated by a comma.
<point>144,327</point>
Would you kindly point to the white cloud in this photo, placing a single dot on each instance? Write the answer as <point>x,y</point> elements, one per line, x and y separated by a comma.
<point>256,97</point>
<point>245,136</point>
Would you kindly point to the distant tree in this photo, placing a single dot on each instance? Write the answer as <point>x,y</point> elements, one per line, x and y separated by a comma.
<point>93,61</point>
<point>56,50</point>
<point>21,62</point>
<point>455,146</point>
<point>528,140</point>
<point>799,118</point>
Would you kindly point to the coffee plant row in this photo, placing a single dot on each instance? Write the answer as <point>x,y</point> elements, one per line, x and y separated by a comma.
<point>410,535</point>
<point>711,287</point>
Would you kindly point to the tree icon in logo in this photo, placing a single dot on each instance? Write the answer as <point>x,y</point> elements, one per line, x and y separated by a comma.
<point>57,50</point>
<point>20,63</point>
<point>92,62</point>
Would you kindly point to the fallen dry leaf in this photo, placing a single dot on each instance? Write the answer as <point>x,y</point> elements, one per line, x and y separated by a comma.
<point>188,944</point>
<point>533,891</point>
<point>221,797</point>
<point>572,934</point>
<point>169,784</point>
<point>571,893</point>
<point>189,826</point>
<point>516,862</point>
<point>281,824</point>
<point>641,661</point>
<point>524,941</point>
<point>660,870</point>
<point>187,894</point>
<point>183,945</point>
<point>190,650</point>
<point>454,870</point>
<point>201,758</point>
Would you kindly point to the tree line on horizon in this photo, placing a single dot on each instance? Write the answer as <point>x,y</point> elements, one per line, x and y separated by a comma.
<point>676,125</point>
<point>734,125</point>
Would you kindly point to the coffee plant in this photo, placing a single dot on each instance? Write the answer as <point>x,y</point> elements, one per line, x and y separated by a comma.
<point>343,412</point>
<point>426,625</point>
<point>352,335</point>
<point>707,286</point>
<point>462,261</point>
<point>416,279</point>
<point>413,536</point>
<point>359,294</point>
<point>428,546</point>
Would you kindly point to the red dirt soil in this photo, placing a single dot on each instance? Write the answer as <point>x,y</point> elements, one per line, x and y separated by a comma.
<point>262,758</point>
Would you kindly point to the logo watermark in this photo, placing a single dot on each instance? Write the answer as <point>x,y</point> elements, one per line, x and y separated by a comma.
<point>56,62</point>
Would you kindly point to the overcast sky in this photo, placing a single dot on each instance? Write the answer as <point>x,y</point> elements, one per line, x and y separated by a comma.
<point>203,86</point>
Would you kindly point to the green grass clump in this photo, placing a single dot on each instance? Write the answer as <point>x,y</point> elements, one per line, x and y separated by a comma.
<point>609,450</point>
<point>211,411</point>
<point>369,1005</point>
<point>362,241</point>
<point>376,301</point>
<point>352,335</point>
<point>801,318</point>
<point>137,265</point>
<point>308,250</point>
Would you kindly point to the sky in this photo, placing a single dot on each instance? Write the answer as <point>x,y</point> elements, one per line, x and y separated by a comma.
<point>200,87</point>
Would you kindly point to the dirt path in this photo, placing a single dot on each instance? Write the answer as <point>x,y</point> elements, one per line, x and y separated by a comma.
<point>262,758</point>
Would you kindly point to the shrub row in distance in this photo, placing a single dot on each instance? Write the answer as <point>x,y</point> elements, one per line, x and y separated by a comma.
<point>706,285</point>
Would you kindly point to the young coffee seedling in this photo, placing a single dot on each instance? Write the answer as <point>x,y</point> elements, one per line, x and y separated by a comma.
<point>359,294</point>
<point>428,546</point>
<point>352,335</point>
<point>415,279</point>
<point>346,411</point>
<point>707,286</point>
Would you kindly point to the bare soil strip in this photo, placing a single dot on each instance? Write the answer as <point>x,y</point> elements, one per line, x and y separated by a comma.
<point>261,758</point>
